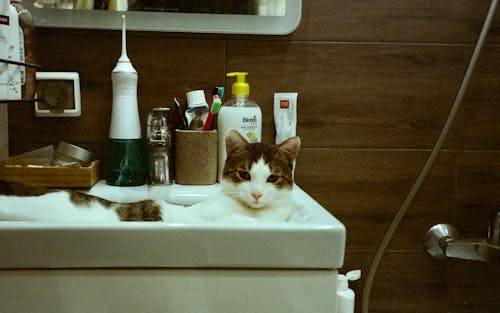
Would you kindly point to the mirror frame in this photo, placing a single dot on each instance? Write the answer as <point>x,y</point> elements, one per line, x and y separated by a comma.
<point>171,22</point>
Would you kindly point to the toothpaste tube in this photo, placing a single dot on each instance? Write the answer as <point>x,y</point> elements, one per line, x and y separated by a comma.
<point>285,115</point>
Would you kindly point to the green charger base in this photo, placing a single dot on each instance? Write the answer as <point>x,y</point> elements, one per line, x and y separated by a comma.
<point>125,163</point>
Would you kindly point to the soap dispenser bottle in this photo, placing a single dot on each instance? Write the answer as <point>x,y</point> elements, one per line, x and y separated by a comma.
<point>239,113</point>
<point>345,295</point>
<point>10,74</point>
<point>125,163</point>
<point>27,43</point>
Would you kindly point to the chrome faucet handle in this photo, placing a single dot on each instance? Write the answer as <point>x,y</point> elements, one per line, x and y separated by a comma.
<point>494,226</point>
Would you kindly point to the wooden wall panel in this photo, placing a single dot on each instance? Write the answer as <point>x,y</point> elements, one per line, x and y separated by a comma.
<point>358,95</point>
<point>408,281</point>
<point>4,138</point>
<point>478,181</point>
<point>474,287</point>
<point>428,21</point>
<point>479,124</point>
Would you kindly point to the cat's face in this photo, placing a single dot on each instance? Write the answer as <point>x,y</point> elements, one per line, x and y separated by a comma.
<point>259,174</point>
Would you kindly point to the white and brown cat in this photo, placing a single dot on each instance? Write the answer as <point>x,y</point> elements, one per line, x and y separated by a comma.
<point>256,186</point>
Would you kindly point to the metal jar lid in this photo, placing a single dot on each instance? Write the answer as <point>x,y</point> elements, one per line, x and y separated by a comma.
<point>67,153</point>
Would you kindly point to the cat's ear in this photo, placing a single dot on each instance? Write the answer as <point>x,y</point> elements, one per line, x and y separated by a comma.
<point>290,148</point>
<point>234,141</point>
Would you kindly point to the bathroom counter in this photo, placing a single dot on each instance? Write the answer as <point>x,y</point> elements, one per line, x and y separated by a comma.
<point>316,242</point>
<point>158,267</point>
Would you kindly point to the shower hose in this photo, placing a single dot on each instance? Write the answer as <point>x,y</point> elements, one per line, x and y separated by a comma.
<point>430,161</point>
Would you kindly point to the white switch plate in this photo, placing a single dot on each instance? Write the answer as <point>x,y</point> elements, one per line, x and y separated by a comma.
<point>61,91</point>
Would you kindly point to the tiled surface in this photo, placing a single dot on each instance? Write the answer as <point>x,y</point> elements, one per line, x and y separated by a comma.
<point>375,81</point>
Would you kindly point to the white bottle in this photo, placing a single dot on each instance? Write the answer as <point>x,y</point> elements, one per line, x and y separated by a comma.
<point>239,113</point>
<point>10,74</point>
<point>345,295</point>
<point>125,123</point>
<point>125,162</point>
<point>27,55</point>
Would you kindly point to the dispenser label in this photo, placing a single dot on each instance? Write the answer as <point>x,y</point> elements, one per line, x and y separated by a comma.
<point>250,121</point>
<point>246,120</point>
<point>249,128</point>
<point>4,20</point>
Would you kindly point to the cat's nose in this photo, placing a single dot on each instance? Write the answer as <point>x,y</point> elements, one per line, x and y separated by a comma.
<point>256,195</point>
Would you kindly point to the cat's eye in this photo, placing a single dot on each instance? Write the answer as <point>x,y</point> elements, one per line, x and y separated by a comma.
<point>272,178</point>
<point>244,175</point>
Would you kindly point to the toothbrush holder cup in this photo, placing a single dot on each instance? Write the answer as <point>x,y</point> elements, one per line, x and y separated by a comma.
<point>195,157</point>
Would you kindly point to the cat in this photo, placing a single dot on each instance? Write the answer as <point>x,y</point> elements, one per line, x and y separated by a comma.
<point>256,186</point>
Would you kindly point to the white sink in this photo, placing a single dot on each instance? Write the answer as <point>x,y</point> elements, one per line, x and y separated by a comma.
<point>317,242</point>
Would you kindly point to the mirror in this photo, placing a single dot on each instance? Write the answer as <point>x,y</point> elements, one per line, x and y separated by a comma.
<point>267,17</point>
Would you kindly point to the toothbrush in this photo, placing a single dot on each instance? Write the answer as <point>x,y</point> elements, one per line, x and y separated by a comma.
<point>214,107</point>
<point>220,92</point>
<point>180,115</point>
<point>216,102</point>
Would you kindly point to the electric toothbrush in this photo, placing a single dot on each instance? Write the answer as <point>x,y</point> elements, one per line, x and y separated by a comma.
<point>125,163</point>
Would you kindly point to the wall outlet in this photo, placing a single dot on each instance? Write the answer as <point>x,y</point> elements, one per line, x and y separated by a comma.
<point>59,93</point>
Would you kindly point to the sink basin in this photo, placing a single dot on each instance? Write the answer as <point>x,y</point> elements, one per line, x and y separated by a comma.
<point>317,242</point>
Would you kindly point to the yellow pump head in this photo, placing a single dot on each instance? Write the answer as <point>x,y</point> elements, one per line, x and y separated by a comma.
<point>240,87</point>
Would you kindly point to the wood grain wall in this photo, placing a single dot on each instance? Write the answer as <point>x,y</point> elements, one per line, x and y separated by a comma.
<point>376,79</point>
<point>4,138</point>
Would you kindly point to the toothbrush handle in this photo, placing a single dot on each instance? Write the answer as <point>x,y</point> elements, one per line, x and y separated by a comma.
<point>208,123</point>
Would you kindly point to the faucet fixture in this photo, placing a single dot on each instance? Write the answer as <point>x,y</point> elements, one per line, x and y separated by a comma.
<point>442,241</point>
